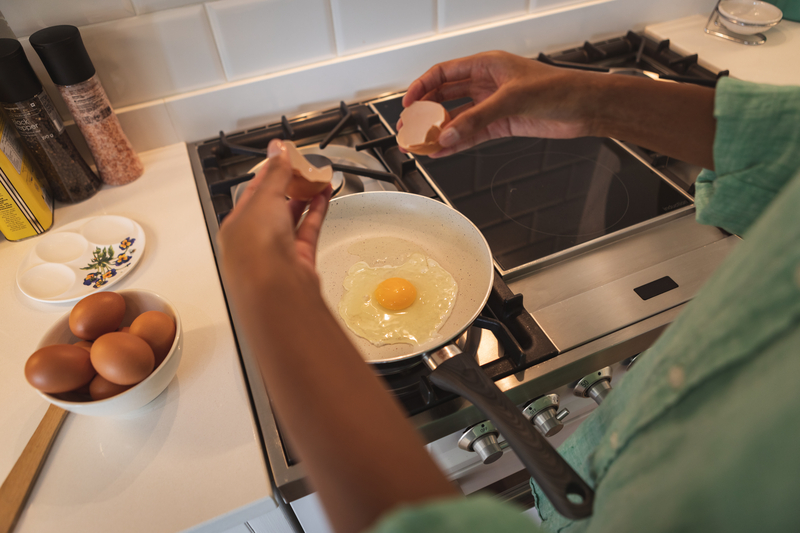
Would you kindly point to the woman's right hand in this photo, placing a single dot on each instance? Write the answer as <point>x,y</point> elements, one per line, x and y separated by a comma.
<point>511,96</point>
<point>515,96</point>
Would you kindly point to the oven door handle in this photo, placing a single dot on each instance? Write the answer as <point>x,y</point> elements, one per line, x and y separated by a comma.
<point>459,373</point>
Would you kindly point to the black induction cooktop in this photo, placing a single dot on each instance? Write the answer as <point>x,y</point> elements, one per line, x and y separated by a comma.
<point>532,197</point>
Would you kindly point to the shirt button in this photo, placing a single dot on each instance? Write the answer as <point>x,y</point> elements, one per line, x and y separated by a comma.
<point>614,440</point>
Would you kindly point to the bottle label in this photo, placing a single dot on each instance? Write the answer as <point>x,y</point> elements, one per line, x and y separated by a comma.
<point>92,106</point>
<point>48,106</point>
<point>25,207</point>
<point>11,147</point>
<point>37,118</point>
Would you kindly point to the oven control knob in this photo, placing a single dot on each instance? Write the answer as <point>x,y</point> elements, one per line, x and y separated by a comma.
<point>596,385</point>
<point>482,438</point>
<point>543,413</point>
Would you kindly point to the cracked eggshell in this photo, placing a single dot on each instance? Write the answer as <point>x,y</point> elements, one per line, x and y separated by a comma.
<point>307,180</point>
<point>423,121</point>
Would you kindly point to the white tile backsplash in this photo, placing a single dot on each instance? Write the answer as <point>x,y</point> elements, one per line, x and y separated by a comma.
<point>164,69</point>
<point>455,14</point>
<point>150,6</point>
<point>542,5</point>
<point>364,24</point>
<point>260,36</point>
<point>155,55</point>
<point>27,16</point>
<point>148,126</point>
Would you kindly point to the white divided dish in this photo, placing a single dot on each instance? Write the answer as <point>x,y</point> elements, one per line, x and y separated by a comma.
<point>83,257</point>
<point>747,17</point>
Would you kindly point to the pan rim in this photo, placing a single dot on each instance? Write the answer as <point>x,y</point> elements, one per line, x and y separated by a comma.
<point>414,352</point>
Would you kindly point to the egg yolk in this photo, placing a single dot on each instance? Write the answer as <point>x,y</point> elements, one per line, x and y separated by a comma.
<point>396,293</point>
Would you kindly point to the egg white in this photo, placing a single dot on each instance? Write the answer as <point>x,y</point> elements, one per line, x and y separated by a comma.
<point>416,324</point>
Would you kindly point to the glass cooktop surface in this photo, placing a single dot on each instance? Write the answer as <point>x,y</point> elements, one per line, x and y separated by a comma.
<point>532,197</point>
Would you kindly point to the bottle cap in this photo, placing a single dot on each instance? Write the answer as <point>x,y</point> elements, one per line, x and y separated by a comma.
<point>63,54</point>
<point>18,81</point>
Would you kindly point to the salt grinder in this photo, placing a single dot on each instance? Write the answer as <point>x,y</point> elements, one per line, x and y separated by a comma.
<point>64,56</point>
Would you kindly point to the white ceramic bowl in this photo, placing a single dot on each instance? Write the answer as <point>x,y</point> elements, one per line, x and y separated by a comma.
<point>137,302</point>
<point>747,17</point>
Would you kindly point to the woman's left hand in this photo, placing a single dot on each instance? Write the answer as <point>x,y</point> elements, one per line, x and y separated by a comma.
<point>261,240</point>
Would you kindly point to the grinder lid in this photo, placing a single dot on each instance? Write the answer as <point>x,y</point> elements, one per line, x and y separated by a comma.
<point>63,54</point>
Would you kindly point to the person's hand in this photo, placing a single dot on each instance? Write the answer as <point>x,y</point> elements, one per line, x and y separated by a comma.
<point>511,96</point>
<point>260,240</point>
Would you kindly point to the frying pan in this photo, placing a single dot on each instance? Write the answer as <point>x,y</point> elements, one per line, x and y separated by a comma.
<point>354,230</point>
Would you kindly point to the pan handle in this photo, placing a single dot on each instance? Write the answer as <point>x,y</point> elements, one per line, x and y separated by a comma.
<point>569,494</point>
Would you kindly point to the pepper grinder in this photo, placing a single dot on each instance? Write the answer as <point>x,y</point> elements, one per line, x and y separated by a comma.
<point>64,56</point>
<point>36,120</point>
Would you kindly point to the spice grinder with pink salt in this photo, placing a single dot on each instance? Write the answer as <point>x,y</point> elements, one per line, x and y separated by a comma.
<point>64,55</point>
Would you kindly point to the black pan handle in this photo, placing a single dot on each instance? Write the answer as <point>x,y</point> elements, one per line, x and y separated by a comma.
<point>462,375</point>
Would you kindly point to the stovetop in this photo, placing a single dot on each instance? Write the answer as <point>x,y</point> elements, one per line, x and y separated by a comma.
<point>576,227</point>
<point>533,198</point>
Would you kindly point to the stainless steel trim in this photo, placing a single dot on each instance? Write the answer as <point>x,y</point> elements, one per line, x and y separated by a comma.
<point>434,359</point>
<point>592,314</point>
<point>615,261</point>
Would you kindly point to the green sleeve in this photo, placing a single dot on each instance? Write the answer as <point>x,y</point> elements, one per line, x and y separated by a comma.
<point>790,8</point>
<point>457,515</point>
<point>756,152</point>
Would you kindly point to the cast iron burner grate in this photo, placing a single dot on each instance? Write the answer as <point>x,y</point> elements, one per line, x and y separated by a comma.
<point>227,160</point>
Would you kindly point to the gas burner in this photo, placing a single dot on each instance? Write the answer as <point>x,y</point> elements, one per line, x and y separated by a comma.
<point>343,183</point>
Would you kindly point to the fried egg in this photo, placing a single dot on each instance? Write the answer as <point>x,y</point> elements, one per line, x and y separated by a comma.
<point>407,304</point>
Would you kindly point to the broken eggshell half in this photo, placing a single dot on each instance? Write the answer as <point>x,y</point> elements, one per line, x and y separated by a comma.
<point>307,180</point>
<point>423,121</point>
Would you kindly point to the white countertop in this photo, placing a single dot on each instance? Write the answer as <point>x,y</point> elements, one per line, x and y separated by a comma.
<point>775,61</point>
<point>190,456</point>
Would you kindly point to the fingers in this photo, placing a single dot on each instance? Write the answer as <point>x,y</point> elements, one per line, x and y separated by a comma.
<point>438,75</point>
<point>307,233</point>
<point>296,208</point>
<point>460,146</point>
<point>252,185</point>
<point>451,91</point>
<point>473,120</point>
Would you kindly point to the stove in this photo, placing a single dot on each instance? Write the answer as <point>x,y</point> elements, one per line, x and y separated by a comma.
<point>594,242</point>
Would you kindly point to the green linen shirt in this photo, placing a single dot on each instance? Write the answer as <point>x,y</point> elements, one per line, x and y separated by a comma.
<point>790,8</point>
<point>703,434</point>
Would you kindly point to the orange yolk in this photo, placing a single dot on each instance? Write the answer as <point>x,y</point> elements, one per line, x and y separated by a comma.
<point>395,293</point>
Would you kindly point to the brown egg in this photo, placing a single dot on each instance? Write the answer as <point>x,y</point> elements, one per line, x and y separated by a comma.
<point>59,368</point>
<point>83,344</point>
<point>125,329</point>
<point>100,388</point>
<point>307,180</point>
<point>97,314</point>
<point>423,121</point>
<point>158,330</point>
<point>122,358</point>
